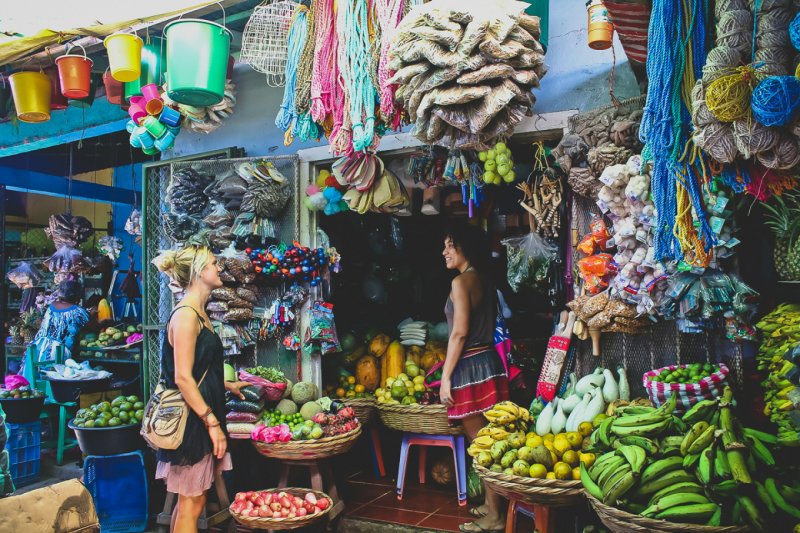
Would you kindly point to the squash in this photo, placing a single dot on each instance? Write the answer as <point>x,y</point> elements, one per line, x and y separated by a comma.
<point>379,345</point>
<point>104,311</point>
<point>414,354</point>
<point>367,372</point>
<point>394,360</point>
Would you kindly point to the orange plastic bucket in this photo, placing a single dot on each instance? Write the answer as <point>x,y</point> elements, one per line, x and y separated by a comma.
<point>601,30</point>
<point>57,100</point>
<point>75,73</point>
<point>31,92</point>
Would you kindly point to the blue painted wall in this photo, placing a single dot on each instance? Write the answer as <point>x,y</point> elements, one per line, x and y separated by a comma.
<point>123,177</point>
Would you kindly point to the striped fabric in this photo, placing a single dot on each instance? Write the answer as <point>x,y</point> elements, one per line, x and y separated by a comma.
<point>688,393</point>
<point>478,382</point>
<point>630,22</point>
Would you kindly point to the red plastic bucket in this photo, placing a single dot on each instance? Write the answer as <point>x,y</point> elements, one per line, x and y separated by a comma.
<point>75,73</point>
<point>57,100</point>
<point>114,89</point>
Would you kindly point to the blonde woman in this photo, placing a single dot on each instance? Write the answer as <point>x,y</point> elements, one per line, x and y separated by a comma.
<point>191,360</point>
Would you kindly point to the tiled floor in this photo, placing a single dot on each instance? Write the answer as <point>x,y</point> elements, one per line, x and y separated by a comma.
<point>425,506</point>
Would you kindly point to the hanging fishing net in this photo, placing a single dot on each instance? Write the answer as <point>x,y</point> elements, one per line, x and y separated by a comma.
<point>264,40</point>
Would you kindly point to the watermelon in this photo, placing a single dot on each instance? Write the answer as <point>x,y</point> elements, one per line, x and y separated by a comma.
<point>474,486</point>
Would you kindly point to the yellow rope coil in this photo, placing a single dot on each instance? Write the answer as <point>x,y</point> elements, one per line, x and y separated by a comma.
<point>728,97</point>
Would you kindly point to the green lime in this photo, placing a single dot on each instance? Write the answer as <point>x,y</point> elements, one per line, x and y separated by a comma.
<point>106,415</point>
<point>139,414</point>
<point>114,422</point>
<point>132,398</point>
<point>655,378</point>
<point>127,406</point>
<point>117,401</point>
<point>124,416</point>
<point>103,407</point>
<point>89,424</point>
<point>115,410</point>
<point>138,405</point>
<point>101,423</point>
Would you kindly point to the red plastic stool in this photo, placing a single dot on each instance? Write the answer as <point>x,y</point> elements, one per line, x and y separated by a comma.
<point>544,519</point>
<point>454,442</point>
<point>377,453</point>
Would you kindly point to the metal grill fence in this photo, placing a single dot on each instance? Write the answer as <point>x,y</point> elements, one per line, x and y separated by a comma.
<point>159,299</point>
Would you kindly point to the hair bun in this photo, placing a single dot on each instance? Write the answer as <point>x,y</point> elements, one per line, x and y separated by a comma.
<point>165,261</point>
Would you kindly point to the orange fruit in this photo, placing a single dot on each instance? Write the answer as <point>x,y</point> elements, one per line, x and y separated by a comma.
<point>340,392</point>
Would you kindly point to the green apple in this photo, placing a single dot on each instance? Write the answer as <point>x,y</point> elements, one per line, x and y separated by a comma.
<point>503,169</point>
<point>510,177</point>
<point>490,165</point>
<point>230,373</point>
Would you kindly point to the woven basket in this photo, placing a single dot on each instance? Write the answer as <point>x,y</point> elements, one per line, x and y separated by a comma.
<point>619,521</point>
<point>285,523</point>
<point>364,408</point>
<point>308,450</point>
<point>551,492</point>
<point>416,418</point>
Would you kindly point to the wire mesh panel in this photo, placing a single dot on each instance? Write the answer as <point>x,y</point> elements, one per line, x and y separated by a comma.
<point>659,345</point>
<point>264,40</point>
<point>160,299</point>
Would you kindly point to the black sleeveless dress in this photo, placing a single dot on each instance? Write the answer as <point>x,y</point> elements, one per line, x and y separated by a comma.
<point>207,355</point>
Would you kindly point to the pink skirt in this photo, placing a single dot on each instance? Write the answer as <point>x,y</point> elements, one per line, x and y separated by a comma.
<point>192,480</point>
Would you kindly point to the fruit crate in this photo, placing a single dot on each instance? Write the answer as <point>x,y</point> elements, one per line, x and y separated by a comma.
<point>118,485</point>
<point>24,452</point>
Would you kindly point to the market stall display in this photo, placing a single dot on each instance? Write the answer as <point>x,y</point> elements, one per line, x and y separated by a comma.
<point>288,508</point>
<point>20,403</point>
<point>109,428</point>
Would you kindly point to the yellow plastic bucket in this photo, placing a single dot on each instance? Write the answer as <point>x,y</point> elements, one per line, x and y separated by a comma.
<point>31,92</point>
<point>124,56</point>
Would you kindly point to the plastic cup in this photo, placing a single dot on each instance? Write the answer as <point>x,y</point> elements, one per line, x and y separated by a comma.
<point>165,142</point>
<point>135,142</point>
<point>130,126</point>
<point>154,107</point>
<point>145,139</point>
<point>170,117</point>
<point>151,92</point>
<point>154,127</point>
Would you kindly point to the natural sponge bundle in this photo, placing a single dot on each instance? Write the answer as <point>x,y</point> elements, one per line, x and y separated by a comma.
<point>465,69</point>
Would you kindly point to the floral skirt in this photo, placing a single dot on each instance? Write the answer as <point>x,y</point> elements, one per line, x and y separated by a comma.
<point>479,381</point>
<point>192,480</point>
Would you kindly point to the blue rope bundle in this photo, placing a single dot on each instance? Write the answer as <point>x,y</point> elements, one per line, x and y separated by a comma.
<point>794,31</point>
<point>775,99</point>
<point>298,33</point>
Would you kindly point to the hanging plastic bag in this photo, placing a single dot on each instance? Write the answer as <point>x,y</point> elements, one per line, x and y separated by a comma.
<point>322,328</point>
<point>134,223</point>
<point>25,276</point>
<point>529,259</point>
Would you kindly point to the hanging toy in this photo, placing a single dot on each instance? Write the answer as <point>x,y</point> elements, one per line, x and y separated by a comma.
<point>325,195</point>
<point>289,263</point>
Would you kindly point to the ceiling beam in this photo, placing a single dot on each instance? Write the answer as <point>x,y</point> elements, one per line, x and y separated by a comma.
<point>29,181</point>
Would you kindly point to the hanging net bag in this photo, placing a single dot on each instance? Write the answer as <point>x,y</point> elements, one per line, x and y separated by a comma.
<point>265,37</point>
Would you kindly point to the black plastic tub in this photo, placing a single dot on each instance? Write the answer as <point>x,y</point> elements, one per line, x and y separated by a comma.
<point>65,390</point>
<point>22,410</point>
<point>108,441</point>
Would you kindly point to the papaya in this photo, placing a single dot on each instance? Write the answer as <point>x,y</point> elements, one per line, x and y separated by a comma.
<point>104,311</point>
<point>414,353</point>
<point>367,373</point>
<point>379,345</point>
<point>395,359</point>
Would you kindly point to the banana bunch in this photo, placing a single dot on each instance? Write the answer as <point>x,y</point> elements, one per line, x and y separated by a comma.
<point>509,415</point>
<point>780,332</point>
<point>700,468</point>
<point>504,419</point>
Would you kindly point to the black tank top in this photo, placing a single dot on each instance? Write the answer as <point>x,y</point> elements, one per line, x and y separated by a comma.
<point>207,356</point>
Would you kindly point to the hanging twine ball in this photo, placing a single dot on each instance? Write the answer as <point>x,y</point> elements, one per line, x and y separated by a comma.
<point>773,38</point>
<point>752,137</point>
<point>728,97</point>
<point>794,31</point>
<point>775,99</point>
<point>769,5</point>
<point>785,154</point>
<point>721,61</point>
<point>718,141</point>
<point>774,19</point>
<point>723,6</point>
<point>734,29</point>
<point>701,116</point>
<point>773,61</point>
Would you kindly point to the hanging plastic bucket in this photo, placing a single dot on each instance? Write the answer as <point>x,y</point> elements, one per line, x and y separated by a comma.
<point>5,97</point>
<point>31,91</point>
<point>152,70</point>
<point>86,103</point>
<point>124,56</point>
<point>75,73</point>
<point>197,61</point>
<point>57,99</point>
<point>114,89</point>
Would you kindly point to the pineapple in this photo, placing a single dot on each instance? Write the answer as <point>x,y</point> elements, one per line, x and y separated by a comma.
<point>784,221</point>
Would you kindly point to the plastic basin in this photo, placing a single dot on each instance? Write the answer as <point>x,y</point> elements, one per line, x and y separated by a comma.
<point>108,441</point>
<point>22,410</point>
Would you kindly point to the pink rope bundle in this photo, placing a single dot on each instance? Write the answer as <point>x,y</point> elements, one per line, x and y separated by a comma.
<point>321,78</point>
<point>389,13</point>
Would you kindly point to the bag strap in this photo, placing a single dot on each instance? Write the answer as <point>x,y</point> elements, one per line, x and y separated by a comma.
<point>204,376</point>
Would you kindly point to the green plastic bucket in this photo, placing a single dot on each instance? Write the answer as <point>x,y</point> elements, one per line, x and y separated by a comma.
<point>541,9</point>
<point>197,61</point>
<point>154,54</point>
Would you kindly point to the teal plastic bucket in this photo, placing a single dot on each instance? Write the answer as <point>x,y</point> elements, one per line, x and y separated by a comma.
<point>197,61</point>
<point>541,9</point>
<point>153,62</point>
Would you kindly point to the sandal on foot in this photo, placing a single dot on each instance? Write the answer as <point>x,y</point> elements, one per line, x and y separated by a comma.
<point>477,513</point>
<point>474,527</point>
